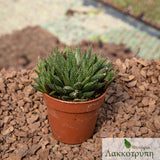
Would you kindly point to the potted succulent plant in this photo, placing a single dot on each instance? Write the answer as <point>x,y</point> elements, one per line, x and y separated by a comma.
<point>73,88</point>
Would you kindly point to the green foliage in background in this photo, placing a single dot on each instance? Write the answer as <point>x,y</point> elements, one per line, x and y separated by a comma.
<point>151,8</point>
<point>69,76</point>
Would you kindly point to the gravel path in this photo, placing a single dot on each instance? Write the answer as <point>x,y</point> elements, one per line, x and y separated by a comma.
<point>87,20</point>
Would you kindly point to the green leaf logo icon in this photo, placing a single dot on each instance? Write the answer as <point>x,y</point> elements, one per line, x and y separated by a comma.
<point>127,144</point>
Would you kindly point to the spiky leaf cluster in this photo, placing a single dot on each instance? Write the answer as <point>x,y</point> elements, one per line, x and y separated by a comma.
<point>68,75</point>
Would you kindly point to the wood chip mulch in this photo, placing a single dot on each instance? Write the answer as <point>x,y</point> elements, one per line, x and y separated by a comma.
<point>21,48</point>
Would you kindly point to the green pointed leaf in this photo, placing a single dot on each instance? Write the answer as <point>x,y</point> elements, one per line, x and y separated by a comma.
<point>88,55</point>
<point>78,85</point>
<point>38,88</point>
<point>127,144</point>
<point>57,80</point>
<point>99,85</point>
<point>38,73</point>
<point>52,86</point>
<point>73,94</point>
<point>52,93</point>
<point>78,55</point>
<point>68,89</point>
<point>87,94</point>
<point>66,98</point>
<point>89,86</point>
<point>98,77</point>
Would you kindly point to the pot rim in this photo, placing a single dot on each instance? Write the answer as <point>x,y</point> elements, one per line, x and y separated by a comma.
<point>70,102</point>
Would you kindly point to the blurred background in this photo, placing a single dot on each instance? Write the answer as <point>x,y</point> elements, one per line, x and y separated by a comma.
<point>115,28</point>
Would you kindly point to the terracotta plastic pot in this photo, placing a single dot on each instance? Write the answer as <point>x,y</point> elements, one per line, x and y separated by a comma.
<point>72,122</point>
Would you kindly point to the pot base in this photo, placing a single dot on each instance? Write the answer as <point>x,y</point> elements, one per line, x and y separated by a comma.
<point>72,128</point>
